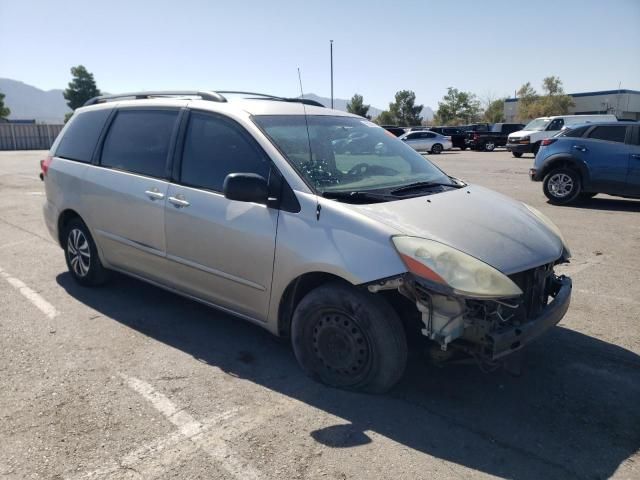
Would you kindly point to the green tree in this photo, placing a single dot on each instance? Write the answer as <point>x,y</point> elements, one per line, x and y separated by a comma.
<point>494,113</point>
<point>385,118</point>
<point>357,107</point>
<point>4,111</point>
<point>404,109</point>
<point>458,107</point>
<point>81,88</point>
<point>527,102</point>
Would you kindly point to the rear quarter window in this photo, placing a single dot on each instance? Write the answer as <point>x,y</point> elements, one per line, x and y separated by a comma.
<point>81,136</point>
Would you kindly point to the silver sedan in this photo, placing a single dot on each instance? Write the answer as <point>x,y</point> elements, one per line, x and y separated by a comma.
<point>427,141</point>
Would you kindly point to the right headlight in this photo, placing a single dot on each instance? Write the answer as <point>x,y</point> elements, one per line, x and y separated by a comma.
<point>453,271</point>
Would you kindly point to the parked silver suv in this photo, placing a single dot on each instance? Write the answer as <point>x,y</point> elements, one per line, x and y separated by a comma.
<point>245,205</point>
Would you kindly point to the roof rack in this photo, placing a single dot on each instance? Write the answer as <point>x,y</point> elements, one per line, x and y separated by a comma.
<point>265,96</point>
<point>209,95</point>
<point>204,94</point>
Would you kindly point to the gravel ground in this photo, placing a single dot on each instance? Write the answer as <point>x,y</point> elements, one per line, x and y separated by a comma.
<point>129,381</point>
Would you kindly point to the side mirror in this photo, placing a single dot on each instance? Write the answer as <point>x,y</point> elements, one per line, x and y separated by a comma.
<point>246,187</point>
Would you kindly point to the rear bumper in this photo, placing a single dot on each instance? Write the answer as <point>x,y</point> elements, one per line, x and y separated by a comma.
<point>51,214</point>
<point>534,175</point>
<point>520,147</point>
<point>512,339</point>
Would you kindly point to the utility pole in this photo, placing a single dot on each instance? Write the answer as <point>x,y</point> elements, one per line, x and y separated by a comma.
<point>331,55</point>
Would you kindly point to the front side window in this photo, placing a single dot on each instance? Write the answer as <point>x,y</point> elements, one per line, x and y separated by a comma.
<point>556,124</point>
<point>215,147</point>
<point>610,133</point>
<point>138,141</point>
<point>376,160</point>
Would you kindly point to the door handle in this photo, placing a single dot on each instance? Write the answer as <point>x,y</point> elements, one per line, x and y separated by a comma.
<point>154,194</point>
<point>178,201</point>
<point>581,148</point>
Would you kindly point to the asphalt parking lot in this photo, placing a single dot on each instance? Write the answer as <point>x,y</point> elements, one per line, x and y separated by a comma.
<point>129,381</point>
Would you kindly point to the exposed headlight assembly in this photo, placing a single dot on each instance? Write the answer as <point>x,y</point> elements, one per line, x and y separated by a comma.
<point>551,226</point>
<point>452,271</point>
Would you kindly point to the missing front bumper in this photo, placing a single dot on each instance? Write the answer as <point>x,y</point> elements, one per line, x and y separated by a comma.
<point>509,340</point>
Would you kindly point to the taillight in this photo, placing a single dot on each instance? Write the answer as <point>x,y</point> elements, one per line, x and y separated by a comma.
<point>44,166</point>
<point>447,138</point>
<point>547,141</point>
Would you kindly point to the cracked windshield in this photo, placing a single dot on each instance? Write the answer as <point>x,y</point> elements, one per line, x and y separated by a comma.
<point>348,154</point>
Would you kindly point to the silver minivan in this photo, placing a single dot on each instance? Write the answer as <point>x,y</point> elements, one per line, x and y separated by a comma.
<point>244,204</point>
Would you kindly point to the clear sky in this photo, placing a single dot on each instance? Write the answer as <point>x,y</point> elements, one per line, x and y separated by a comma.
<point>487,47</point>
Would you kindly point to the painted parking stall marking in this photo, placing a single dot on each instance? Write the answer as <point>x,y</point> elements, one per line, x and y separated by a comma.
<point>34,297</point>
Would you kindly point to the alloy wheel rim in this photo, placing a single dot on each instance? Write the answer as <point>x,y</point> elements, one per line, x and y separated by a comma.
<point>490,146</point>
<point>560,185</point>
<point>79,252</point>
<point>340,345</point>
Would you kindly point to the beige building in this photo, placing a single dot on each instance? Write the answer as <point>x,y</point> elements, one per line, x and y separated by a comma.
<point>625,104</point>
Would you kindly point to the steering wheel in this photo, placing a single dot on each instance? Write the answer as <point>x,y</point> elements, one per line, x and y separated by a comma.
<point>362,168</point>
<point>359,169</point>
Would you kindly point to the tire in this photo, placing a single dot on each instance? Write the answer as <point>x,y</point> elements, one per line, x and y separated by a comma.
<point>516,154</point>
<point>349,338</point>
<point>436,149</point>
<point>81,255</point>
<point>462,149</point>
<point>562,186</point>
<point>489,147</point>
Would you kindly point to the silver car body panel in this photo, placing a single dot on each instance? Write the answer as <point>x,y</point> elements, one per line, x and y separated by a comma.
<point>243,256</point>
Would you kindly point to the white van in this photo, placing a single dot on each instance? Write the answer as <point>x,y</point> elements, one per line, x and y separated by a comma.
<point>528,140</point>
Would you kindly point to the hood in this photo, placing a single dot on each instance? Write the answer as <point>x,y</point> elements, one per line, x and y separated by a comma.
<point>523,133</point>
<point>480,222</point>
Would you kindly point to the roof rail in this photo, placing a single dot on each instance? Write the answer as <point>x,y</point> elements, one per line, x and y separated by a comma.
<point>265,96</point>
<point>204,94</point>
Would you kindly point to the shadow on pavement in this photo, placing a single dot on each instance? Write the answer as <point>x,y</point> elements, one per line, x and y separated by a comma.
<point>574,412</point>
<point>609,203</point>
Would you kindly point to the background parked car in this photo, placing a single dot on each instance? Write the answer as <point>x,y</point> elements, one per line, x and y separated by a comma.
<point>495,137</point>
<point>396,130</point>
<point>528,139</point>
<point>590,159</point>
<point>458,136</point>
<point>427,141</point>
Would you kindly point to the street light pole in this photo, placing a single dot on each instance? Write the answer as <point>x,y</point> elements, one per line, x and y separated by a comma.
<point>331,54</point>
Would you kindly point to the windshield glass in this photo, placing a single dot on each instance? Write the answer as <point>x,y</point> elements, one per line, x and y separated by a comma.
<point>537,124</point>
<point>346,154</point>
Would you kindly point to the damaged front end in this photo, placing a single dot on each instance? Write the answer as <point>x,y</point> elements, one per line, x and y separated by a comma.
<point>487,329</point>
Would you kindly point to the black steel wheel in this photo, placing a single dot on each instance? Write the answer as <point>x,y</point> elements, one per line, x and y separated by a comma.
<point>349,338</point>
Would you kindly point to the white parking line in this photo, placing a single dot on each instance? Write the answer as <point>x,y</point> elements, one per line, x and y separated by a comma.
<point>35,298</point>
<point>213,444</point>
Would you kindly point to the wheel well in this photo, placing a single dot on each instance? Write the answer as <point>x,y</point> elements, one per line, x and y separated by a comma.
<point>63,220</point>
<point>295,292</point>
<point>561,163</point>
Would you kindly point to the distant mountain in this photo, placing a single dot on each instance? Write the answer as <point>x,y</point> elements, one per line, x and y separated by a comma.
<point>341,104</point>
<point>27,102</point>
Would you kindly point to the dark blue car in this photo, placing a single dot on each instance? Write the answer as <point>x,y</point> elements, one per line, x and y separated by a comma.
<point>589,159</point>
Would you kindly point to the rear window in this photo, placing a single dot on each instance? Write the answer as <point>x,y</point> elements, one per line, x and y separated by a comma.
<point>81,136</point>
<point>138,141</point>
<point>574,132</point>
<point>610,133</point>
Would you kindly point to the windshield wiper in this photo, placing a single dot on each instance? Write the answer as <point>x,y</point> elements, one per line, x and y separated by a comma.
<point>423,185</point>
<point>357,196</point>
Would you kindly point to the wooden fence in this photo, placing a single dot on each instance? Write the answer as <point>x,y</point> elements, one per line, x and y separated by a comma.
<point>28,136</point>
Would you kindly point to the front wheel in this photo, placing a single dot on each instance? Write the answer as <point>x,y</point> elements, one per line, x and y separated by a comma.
<point>516,154</point>
<point>81,255</point>
<point>562,186</point>
<point>349,338</point>
<point>462,149</point>
<point>436,149</point>
<point>489,147</point>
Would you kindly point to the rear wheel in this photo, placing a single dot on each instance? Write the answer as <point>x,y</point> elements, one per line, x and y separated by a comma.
<point>562,186</point>
<point>516,154</point>
<point>489,146</point>
<point>82,256</point>
<point>349,338</point>
<point>437,148</point>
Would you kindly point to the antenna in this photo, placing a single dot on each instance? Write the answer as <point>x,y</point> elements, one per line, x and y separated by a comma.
<point>300,81</point>
<point>306,122</point>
